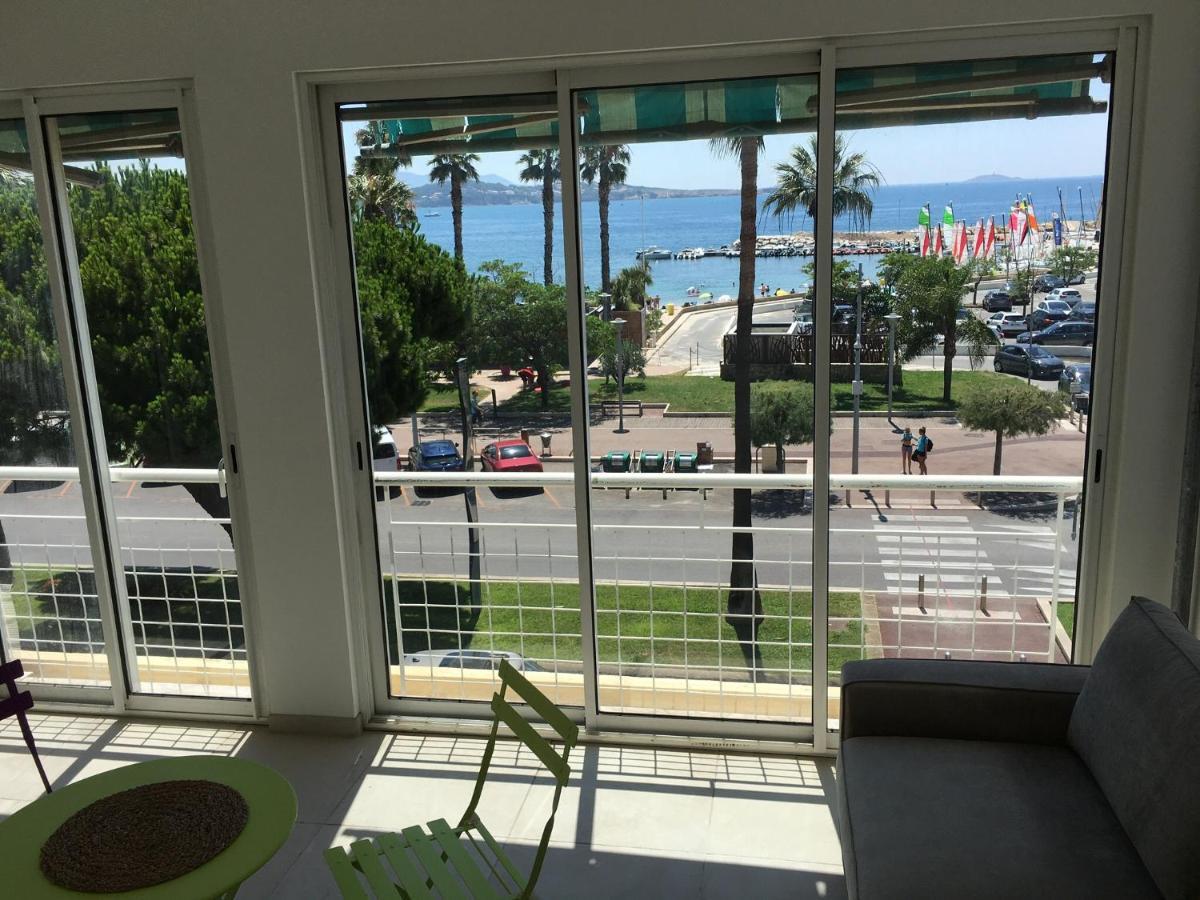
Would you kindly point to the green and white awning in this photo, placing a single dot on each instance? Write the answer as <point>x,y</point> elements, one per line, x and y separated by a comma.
<point>932,93</point>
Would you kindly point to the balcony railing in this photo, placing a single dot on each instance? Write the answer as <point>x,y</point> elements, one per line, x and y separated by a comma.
<point>183,619</point>
<point>955,566</point>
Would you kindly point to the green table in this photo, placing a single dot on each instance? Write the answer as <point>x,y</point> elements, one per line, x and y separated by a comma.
<point>270,799</point>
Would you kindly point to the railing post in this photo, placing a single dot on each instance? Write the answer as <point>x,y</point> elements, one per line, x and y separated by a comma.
<point>921,593</point>
<point>983,596</point>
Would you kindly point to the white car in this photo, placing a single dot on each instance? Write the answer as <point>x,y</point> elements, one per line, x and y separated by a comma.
<point>1008,324</point>
<point>470,659</point>
<point>1056,305</point>
<point>804,323</point>
<point>1068,295</point>
<point>385,456</point>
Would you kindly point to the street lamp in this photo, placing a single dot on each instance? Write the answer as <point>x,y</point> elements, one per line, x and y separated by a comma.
<point>892,319</point>
<point>619,362</point>
<point>857,387</point>
<point>463,373</point>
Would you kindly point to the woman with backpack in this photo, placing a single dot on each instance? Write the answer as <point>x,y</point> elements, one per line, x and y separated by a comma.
<point>924,447</point>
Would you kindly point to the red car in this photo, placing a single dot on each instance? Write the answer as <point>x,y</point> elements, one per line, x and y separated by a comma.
<point>509,456</point>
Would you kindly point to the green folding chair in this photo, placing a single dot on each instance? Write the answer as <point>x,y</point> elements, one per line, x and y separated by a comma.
<point>460,862</point>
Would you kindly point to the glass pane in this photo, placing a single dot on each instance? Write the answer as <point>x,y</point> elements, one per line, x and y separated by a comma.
<point>704,593</point>
<point>49,611</point>
<point>960,283</point>
<point>456,213</point>
<point>131,215</point>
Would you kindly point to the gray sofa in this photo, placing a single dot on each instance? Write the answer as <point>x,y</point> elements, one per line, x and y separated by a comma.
<point>1007,780</point>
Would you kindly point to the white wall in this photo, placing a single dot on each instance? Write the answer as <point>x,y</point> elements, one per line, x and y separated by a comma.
<point>242,58</point>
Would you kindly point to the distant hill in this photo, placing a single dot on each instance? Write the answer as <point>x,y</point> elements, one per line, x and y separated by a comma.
<point>983,179</point>
<point>495,191</point>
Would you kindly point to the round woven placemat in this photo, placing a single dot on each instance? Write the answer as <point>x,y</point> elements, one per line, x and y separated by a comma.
<point>144,836</point>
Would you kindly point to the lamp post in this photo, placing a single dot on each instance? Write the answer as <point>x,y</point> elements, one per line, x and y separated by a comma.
<point>891,319</point>
<point>619,362</point>
<point>472,508</point>
<point>857,386</point>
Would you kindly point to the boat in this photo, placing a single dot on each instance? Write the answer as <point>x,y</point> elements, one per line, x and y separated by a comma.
<point>432,213</point>
<point>653,253</point>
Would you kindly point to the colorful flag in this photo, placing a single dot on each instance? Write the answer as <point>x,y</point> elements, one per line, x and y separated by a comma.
<point>923,216</point>
<point>959,248</point>
<point>948,215</point>
<point>923,228</point>
<point>989,242</point>
<point>977,249</point>
<point>1021,228</point>
<point>939,245</point>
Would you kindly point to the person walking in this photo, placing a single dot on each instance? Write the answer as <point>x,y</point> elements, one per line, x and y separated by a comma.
<point>924,446</point>
<point>906,451</point>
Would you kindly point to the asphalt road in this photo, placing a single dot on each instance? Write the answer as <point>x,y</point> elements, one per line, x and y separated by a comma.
<point>684,538</point>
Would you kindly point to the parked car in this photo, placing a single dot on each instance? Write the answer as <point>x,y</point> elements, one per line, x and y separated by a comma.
<point>509,456</point>
<point>1081,334</point>
<point>1008,324</point>
<point>1083,311</point>
<point>1044,318</point>
<point>435,456</point>
<point>1053,304</point>
<point>996,301</point>
<point>470,659</point>
<point>1068,295</point>
<point>1027,359</point>
<point>385,457</point>
<point>804,322</point>
<point>1076,383</point>
<point>1045,283</point>
<point>1077,278</point>
<point>843,314</point>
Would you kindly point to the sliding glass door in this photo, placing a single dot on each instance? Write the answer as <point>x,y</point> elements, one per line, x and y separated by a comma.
<point>635,352</point>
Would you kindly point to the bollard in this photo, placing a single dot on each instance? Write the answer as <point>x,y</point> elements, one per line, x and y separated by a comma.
<point>947,655</point>
<point>495,405</point>
<point>887,498</point>
<point>933,499</point>
<point>983,596</point>
<point>921,593</point>
<point>1021,658</point>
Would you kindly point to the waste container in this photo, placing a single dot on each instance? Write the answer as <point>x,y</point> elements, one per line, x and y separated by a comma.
<point>545,438</point>
<point>670,309</point>
<point>704,453</point>
<point>686,463</point>
<point>615,461</point>
<point>653,461</point>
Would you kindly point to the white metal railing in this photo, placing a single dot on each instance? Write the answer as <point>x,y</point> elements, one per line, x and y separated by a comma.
<point>917,567</point>
<point>181,607</point>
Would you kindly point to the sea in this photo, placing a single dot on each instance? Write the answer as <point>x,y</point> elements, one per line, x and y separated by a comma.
<point>514,233</point>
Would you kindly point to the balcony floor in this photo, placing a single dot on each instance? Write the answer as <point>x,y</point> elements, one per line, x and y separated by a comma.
<point>635,822</point>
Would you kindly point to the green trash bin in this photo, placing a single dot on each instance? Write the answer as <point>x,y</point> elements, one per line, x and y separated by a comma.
<point>686,462</point>
<point>616,461</point>
<point>653,461</point>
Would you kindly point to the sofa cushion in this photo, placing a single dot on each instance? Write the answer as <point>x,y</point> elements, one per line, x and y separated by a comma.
<point>931,817</point>
<point>1136,725</point>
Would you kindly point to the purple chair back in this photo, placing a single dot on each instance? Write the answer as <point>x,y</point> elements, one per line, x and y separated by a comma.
<point>17,703</point>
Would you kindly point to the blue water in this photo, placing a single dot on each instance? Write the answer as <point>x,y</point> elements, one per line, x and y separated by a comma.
<point>514,233</point>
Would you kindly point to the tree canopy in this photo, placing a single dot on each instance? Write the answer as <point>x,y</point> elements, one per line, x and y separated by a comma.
<point>781,412</point>
<point>1068,261</point>
<point>1010,408</point>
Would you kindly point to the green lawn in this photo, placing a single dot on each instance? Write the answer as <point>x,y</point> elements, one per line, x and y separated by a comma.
<point>667,624</point>
<point>921,390</point>
<point>444,398</point>
<point>1066,615</point>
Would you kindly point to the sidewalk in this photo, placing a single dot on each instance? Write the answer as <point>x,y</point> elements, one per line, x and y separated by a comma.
<point>956,451</point>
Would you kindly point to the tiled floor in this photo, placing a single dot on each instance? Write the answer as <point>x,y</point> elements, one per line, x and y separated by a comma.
<point>633,822</point>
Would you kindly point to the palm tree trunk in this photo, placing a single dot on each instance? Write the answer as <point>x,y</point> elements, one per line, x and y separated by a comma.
<point>548,221</point>
<point>949,351</point>
<point>456,212</point>
<point>745,605</point>
<point>999,453</point>
<point>602,195</point>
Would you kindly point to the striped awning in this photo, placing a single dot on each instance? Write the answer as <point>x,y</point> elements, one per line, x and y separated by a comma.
<point>932,93</point>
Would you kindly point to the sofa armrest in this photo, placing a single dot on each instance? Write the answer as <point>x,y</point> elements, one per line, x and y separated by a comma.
<point>965,700</point>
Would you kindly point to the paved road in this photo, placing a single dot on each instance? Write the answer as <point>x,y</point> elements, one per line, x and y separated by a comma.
<point>682,538</point>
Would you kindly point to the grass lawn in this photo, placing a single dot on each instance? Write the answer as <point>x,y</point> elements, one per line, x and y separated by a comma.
<point>444,398</point>
<point>663,624</point>
<point>1066,615</point>
<point>685,393</point>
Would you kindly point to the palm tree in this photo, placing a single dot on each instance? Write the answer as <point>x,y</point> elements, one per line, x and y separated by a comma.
<point>542,165</point>
<point>745,609</point>
<point>376,195</point>
<point>607,165</point>
<point>455,168</point>
<point>629,287</point>
<point>854,181</point>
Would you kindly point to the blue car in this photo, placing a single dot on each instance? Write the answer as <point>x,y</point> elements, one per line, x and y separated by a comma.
<point>435,456</point>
